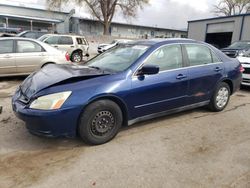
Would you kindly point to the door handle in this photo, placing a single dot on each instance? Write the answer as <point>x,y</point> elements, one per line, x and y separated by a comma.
<point>7,56</point>
<point>71,46</point>
<point>56,46</point>
<point>218,69</point>
<point>181,77</point>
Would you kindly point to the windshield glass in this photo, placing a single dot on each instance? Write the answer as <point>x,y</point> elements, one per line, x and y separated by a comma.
<point>42,38</point>
<point>119,58</point>
<point>21,34</point>
<point>240,45</point>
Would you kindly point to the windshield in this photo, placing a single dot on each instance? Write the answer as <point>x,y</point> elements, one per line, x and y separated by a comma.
<point>42,38</point>
<point>240,45</point>
<point>21,34</point>
<point>119,58</point>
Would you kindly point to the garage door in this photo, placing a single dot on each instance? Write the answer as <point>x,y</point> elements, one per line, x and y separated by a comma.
<point>220,27</point>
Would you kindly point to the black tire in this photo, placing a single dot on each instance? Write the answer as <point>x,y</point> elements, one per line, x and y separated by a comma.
<point>76,57</point>
<point>100,122</point>
<point>215,104</point>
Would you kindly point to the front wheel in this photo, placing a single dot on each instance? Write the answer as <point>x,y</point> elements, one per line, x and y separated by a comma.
<point>220,97</point>
<point>100,122</point>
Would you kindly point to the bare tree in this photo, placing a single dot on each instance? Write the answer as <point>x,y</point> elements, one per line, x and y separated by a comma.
<point>232,7</point>
<point>104,10</point>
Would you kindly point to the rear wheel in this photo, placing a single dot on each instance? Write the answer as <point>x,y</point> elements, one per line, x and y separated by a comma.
<point>76,57</point>
<point>100,122</point>
<point>220,97</point>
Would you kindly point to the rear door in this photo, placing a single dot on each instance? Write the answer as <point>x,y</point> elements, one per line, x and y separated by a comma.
<point>205,70</point>
<point>7,57</point>
<point>29,56</point>
<point>65,43</point>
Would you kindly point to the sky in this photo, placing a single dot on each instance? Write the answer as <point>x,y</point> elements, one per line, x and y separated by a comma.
<point>159,13</point>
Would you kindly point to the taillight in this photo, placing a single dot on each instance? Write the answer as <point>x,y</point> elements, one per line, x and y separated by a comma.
<point>67,56</point>
<point>241,69</point>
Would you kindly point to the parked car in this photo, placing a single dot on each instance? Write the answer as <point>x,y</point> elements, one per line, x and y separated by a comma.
<point>32,34</point>
<point>237,49</point>
<point>10,30</point>
<point>104,47</point>
<point>76,45</point>
<point>245,62</point>
<point>21,56</point>
<point>7,35</point>
<point>124,85</point>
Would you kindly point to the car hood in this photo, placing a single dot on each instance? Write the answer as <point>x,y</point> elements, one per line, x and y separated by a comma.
<point>244,59</point>
<point>55,74</point>
<point>103,44</point>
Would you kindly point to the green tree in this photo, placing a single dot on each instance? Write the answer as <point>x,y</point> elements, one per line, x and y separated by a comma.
<point>104,10</point>
<point>232,7</point>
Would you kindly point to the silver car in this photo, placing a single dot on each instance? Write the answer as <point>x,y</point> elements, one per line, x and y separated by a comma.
<point>76,45</point>
<point>21,56</point>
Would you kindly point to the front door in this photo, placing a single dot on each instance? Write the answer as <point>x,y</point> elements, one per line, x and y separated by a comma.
<point>163,91</point>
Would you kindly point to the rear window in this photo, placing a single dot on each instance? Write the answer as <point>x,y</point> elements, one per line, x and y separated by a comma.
<point>65,40</point>
<point>81,41</point>
<point>6,46</point>
<point>28,47</point>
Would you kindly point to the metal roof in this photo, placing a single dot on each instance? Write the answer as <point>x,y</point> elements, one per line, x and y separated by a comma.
<point>135,25</point>
<point>39,19</point>
<point>220,17</point>
<point>33,8</point>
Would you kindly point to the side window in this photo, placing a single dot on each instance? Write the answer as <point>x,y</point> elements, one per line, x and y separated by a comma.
<point>65,40</point>
<point>81,41</point>
<point>6,46</point>
<point>52,40</point>
<point>198,54</point>
<point>215,58</point>
<point>167,58</point>
<point>28,47</point>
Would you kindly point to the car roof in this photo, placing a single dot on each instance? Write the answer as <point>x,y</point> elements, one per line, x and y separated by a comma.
<point>68,35</point>
<point>18,38</point>
<point>155,41</point>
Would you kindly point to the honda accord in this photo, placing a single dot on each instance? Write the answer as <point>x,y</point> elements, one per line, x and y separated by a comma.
<point>127,84</point>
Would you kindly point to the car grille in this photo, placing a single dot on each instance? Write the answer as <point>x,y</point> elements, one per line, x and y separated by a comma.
<point>247,71</point>
<point>245,80</point>
<point>232,54</point>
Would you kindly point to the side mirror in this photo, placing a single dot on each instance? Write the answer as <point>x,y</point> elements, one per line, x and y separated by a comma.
<point>148,70</point>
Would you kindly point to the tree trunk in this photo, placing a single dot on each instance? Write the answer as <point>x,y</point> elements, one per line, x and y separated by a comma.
<point>106,29</point>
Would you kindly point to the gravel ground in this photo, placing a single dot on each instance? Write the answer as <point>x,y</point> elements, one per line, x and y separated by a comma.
<point>192,149</point>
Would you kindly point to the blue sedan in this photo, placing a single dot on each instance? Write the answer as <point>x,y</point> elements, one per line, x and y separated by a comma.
<point>127,84</point>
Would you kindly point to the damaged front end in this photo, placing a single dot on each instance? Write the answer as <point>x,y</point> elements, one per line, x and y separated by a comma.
<point>54,121</point>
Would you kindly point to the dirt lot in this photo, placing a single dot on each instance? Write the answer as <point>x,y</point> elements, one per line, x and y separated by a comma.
<point>190,149</point>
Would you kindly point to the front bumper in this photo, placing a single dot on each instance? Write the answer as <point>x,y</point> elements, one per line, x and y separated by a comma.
<point>246,80</point>
<point>51,123</point>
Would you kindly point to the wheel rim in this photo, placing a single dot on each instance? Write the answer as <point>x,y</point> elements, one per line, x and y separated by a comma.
<point>76,58</point>
<point>103,123</point>
<point>222,97</point>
